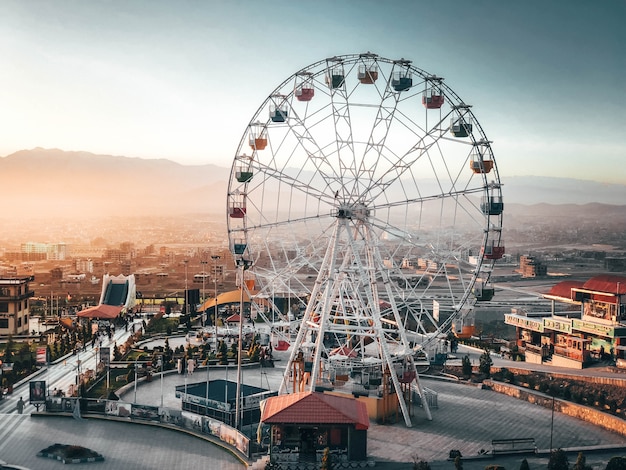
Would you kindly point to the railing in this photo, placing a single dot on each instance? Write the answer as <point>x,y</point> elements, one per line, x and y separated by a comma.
<point>202,425</point>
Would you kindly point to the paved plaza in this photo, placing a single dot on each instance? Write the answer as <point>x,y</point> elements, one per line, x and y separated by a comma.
<point>467,418</point>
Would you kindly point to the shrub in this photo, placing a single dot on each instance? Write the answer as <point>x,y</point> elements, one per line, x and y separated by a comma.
<point>616,463</point>
<point>558,460</point>
<point>466,366</point>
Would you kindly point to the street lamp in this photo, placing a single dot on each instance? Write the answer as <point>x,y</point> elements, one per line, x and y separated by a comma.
<point>203,263</point>
<point>215,258</point>
<point>186,307</point>
<point>242,264</point>
<point>553,393</point>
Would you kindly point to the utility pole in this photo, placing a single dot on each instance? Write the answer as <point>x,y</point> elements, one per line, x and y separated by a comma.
<point>243,265</point>
<point>215,258</point>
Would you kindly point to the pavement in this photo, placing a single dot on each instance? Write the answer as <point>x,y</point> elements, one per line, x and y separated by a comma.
<point>467,418</point>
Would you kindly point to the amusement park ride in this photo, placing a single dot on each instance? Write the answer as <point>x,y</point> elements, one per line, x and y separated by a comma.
<point>365,193</point>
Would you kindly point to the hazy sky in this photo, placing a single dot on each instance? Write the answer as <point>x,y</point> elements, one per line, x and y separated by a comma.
<point>182,79</point>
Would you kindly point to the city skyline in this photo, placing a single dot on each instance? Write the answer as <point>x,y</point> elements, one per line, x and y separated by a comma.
<point>181,81</point>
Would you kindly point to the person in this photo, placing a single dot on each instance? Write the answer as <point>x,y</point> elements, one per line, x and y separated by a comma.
<point>20,406</point>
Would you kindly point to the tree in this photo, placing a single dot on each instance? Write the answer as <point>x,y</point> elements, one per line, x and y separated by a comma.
<point>458,463</point>
<point>581,463</point>
<point>485,363</point>
<point>117,355</point>
<point>616,463</point>
<point>327,460</point>
<point>558,460</point>
<point>466,366</point>
<point>419,464</point>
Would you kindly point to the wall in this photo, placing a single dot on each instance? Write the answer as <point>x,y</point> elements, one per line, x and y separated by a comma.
<point>595,417</point>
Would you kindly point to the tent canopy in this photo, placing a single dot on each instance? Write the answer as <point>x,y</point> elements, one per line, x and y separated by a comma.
<point>101,311</point>
<point>229,297</point>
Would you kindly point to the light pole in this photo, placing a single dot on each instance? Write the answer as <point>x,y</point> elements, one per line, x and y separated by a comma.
<point>135,399</point>
<point>203,263</point>
<point>186,307</point>
<point>243,264</point>
<point>553,393</point>
<point>215,258</point>
<point>161,361</point>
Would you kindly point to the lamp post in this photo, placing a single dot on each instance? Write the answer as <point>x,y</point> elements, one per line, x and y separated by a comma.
<point>203,263</point>
<point>135,399</point>
<point>161,361</point>
<point>553,393</point>
<point>215,258</point>
<point>243,264</point>
<point>186,307</point>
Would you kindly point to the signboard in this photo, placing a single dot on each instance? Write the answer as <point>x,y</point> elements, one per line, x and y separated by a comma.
<point>524,322</point>
<point>564,326</point>
<point>595,328</point>
<point>37,389</point>
<point>105,355</point>
<point>42,355</point>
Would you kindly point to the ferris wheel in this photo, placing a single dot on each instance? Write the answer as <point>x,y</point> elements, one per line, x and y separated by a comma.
<point>366,197</point>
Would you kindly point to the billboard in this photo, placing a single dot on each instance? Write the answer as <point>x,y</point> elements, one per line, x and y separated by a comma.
<point>37,389</point>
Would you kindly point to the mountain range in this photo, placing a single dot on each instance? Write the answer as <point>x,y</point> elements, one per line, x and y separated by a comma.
<point>51,182</point>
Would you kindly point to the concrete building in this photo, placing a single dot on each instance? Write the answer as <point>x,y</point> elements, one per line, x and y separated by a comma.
<point>529,266</point>
<point>14,312</point>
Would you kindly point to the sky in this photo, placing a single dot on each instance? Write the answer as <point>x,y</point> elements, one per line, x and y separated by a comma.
<point>181,79</point>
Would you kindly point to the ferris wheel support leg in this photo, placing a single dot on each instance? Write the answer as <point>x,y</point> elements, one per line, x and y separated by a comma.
<point>420,391</point>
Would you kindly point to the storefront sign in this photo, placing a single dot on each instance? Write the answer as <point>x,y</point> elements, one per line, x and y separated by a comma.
<point>524,322</point>
<point>564,326</point>
<point>595,328</point>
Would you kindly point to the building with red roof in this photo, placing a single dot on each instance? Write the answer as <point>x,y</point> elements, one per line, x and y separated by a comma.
<point>595,331</point>
<point>304,424</point>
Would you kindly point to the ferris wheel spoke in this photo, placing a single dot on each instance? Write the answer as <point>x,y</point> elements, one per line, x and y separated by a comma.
<point>365,201</point>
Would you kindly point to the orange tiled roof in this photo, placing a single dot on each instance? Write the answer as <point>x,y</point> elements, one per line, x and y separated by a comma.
<point>564,289</point>
<point>315,408</point>
<point>607,283</point>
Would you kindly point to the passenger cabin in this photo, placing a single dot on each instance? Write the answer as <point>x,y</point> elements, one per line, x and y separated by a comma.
<point>278,109</point>
<point>368,73</point>
<point>304,87</point>
<point>460,127</point>
<point>479,163</point>
<point>432,98</point>
<point>243,174</point>
<point>258,137</point>
<point>493,249</point>
<point>237,207</point>
<point>335,77</point>
<point>402,80</point>
<point>492,205</point>
<point>239,247</point>
<point>483,292</point>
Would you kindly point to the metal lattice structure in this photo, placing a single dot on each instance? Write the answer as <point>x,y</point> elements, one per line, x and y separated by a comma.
<point>366,195</point>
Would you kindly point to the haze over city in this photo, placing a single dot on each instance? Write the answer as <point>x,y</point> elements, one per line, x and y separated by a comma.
<point>181,80</point>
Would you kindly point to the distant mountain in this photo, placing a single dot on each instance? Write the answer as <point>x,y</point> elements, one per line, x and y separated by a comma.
<point>552,190</point>
<point>51,182</point>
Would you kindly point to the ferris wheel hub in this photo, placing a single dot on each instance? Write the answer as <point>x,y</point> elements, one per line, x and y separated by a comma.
<point>357,211</point>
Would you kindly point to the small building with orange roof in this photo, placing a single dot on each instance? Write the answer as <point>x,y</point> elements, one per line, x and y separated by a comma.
<point>305,424</point>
